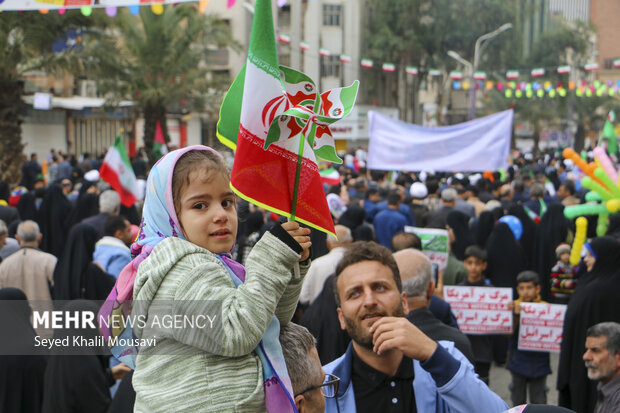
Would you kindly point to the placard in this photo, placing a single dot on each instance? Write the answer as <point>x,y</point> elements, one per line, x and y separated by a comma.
<point>434,244</point>
<point>481,310</point>
<point>540,327</point>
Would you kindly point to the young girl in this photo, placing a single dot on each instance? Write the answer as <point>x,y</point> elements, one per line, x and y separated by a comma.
<point>189,225</point>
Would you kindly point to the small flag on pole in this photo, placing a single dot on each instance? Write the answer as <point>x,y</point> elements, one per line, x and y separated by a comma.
<point>456,75</point>
<point>563,69</point>
<point>367,63</point>
<point>479,75</point>
<point>324,52</point>
<point>284,38</point>
<point>304,45</point>
<point>512,74</point>
<point>330,176</point>
<point>117,171</point>
<point>616,63</point>
<point>159,143</point>
<point>591,66</point>
<point>388,67</point>
<point>538,72</point>
<point>411,70</point>
<point>434,72</point>
<point>345,58</point>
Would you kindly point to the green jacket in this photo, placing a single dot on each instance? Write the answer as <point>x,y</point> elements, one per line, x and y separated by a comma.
<point>214,370</point>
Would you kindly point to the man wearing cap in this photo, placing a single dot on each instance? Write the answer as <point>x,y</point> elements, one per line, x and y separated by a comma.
<point>418,192</point>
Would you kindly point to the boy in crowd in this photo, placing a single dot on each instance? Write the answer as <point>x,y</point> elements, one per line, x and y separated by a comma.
<point>482,345</point>
<point>563,280</point>
<point>528,368</point>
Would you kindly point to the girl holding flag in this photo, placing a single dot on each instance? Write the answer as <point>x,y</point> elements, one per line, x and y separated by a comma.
<point>181,257</point>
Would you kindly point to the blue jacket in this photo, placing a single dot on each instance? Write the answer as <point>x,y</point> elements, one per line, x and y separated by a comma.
<point>112,254</point>
<point>388,223</point>
<point>445,383</point>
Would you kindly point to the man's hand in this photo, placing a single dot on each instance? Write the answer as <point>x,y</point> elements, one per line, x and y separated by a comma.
<point>301,235</point>
<point>390,333</point>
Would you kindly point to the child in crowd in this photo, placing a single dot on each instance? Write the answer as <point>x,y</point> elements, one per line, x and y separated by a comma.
<point>188,228</point>
<point>482,345</point>
<point>528,368</point>
<point>563,281</point>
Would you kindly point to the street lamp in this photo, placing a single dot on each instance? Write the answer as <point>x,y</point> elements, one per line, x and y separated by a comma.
<point>478,48</point>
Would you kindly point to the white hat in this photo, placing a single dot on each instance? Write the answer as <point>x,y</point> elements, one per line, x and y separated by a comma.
<point>418,190</point>
<point>92,175</point>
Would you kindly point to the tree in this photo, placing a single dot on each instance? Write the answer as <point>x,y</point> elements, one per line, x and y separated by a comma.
<point>420,32</point>
<point>26,41</point>
<point>158,61</point>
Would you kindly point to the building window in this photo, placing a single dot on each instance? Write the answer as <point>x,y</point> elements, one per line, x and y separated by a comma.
<point>330,66</point>
<point>609,63</point>
<point>331,14</point>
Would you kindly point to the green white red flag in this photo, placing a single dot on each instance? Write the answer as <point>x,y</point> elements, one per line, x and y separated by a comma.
<point>330,176</point>
<point>117,171</point>
<point>278,124</point>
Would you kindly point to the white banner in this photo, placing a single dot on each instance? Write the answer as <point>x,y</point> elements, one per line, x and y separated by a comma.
<point>481,310</point>
<point>76,4</point>
<point>479,145</point>
<point>540,327</point>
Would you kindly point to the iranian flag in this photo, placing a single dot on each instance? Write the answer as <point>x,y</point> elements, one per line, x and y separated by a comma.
<point>367,63</point>
<point>345,58</point>
<point>304,45</point>
<point>117,171</point>
<point>275,163</point>
<point>512,74</point>
<point>388,67</point>
<point>456,75</point>
<point>324,52</point>
<point>616,63</point>
<point>538,72</point>
<point>330,176</point>
<point>284,38</point>
<point>159,143</point>
<point>563,69</point>
<point>411,70</point>
<point>479,75</point>
<point>434,72</point>
<point>591,66</point>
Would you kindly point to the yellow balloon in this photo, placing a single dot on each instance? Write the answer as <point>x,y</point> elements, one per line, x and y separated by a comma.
<point>518,94</point>
<point>613,205</point>
<point>508,93</point>
<point>580,239</point>
<point>157,8</point>
<point>86,10</point>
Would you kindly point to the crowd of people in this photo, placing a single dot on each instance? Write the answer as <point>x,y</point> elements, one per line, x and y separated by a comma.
<point>354,321</point>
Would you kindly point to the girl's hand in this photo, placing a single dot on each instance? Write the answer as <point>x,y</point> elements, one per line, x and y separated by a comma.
<point>301,235</point>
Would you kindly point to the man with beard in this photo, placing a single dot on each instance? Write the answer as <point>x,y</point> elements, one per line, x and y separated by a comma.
<point>390,363</point>
<point>602,359</point>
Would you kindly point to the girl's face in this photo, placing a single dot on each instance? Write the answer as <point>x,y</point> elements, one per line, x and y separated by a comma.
<point>589,260</point>
<point>207,212</point>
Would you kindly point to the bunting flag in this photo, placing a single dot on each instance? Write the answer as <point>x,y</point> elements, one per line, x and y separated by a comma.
<point>21,5</point>
<point>304,46</point>
<point>456,75</point>
<point>388,67</point>
<point>538,72</point>
<point>278,124</point>
<point>324,52</point>
<point>512,74</point>
<point>367,63</point>
<point>117,171</point>
<point>563,69</point>
<point>434,72</point>
<point>411,70</point>
<point>479,75</point>
<point>284,38</point>
<point>345,58</point>
<point>591,66</point>
<point>616,63</point>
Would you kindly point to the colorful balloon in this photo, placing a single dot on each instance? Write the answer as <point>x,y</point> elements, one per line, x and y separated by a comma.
<point>600,174</point>
<point>603,222</point>
<point>580,239</point>
<point>606,164</point>
<point>594,197</point>
<point>584,209</point>
<point>514,224</point>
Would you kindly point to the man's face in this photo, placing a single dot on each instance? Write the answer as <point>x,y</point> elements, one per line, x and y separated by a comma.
<point>600,363</point>
<point>367,292</point>
<point>314,399</point>
<point>125,233</point>
<point>562,192</point>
